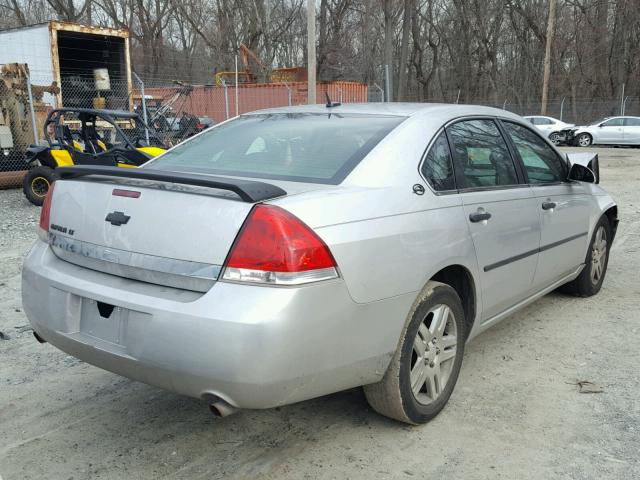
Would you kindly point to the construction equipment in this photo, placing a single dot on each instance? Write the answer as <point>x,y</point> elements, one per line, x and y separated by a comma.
<point>16,119</point>
<point>276,75</point>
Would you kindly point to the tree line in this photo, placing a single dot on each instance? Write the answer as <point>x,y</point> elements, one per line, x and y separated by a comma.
<point>484,51</point>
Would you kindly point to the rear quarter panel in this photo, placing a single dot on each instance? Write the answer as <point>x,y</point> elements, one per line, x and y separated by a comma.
<point>387,240</point>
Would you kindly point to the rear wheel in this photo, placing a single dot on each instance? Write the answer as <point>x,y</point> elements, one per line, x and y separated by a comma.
<point>555,138</point>
<point>425,367</point>
<point>37,182</point>
<point>584,140</point>
<point>590,280</point>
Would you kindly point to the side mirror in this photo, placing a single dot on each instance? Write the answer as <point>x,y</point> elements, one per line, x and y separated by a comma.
<point>587,160</point>
<point>581,173</point>
<point>601,125</point>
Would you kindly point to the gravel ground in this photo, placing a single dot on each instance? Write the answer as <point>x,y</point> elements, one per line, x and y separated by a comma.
<point>516,411</point>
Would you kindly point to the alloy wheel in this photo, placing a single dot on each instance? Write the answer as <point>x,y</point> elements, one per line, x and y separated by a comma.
<point>555,138</point>
<point>434,354</point>
<point>584,140</point>
<point>598,255</point>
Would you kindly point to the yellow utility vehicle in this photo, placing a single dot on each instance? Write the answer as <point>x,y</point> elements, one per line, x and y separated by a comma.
<point>84,136</point>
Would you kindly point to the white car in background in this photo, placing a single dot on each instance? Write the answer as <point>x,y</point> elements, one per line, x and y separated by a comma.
<point>608,131</point>
<point>550,127</point>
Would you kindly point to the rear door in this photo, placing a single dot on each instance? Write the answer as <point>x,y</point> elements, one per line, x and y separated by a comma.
<point>545,125</point>
<point>632,131</point>
<point>563,206</point>
<point>502,216</point>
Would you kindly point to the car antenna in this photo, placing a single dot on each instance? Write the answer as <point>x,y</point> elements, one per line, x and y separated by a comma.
<point>330,103</point>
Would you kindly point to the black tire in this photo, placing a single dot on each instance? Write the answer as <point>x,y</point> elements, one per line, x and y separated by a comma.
<point>584,140</point>
<point>585,285</point>
<point>36,183</point>
<point>393,396</point>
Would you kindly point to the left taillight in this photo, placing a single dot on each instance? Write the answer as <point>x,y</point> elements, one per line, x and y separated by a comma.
<point>45,214</point>
<point>275,247</point>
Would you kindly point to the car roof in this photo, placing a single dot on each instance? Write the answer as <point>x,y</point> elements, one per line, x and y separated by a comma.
<point>101,112</point>
<point>393,109</point>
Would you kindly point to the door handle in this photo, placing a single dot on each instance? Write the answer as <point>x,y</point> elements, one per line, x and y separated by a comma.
<point>479,216</point>
<point>548,205</point>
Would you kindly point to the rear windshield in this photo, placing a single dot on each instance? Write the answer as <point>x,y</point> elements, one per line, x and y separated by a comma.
<point>302,147</point>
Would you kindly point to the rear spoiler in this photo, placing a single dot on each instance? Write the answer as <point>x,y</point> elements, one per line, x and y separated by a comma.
<point>248,190</point>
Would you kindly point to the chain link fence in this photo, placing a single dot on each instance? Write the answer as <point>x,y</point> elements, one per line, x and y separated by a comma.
<point>175,111</point>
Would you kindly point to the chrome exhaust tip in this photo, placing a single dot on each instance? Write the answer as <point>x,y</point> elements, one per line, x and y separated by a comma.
<point>218,406</point>
<point>222,409</point>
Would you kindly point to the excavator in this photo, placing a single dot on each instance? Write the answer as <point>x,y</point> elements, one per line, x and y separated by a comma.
<point>277,75</point>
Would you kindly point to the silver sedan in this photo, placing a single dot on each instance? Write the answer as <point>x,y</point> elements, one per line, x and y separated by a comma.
<point>608,131</point>
<point>290,253</point>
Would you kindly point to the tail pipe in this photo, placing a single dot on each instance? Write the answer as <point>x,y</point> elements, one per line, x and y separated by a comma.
<point>218,406</point>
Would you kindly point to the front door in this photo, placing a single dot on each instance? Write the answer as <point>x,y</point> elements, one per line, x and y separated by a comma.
<point>563,206</point>
<point>502,215</point>
<point>611,131</point>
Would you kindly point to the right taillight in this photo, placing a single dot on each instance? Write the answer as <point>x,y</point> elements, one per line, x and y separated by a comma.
<point>45,214</point>
<point>275,247</point>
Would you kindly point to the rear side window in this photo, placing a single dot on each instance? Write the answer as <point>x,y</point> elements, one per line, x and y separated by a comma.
<point>302,147</point>
<point>481,154</point>
<point>632,122</point>
<point>437,167</point>
<point>542,163</point>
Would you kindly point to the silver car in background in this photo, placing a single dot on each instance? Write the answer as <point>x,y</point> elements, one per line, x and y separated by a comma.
<point>294,252</point>
<point>607,131</point>
<point>550,127</point>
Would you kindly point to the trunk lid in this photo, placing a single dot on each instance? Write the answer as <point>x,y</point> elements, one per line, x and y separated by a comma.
<point>171,234</point>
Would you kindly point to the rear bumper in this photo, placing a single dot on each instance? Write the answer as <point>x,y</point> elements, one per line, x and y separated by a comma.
<point>253,346</point>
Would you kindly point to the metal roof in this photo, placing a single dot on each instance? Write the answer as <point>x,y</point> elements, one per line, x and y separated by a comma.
<point>102,112</point>
<point>392,108</point>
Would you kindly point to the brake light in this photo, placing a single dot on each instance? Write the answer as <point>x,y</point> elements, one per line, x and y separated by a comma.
<point>45,213</point>
<point>200,126</point>
<point>275,247</point>
<point>118,192</point>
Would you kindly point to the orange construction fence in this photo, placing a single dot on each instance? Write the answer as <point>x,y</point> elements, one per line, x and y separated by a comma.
<point>209,100</point>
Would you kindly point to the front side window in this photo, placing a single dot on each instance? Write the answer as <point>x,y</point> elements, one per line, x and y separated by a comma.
<point>542,163</point>
<point>437,167</point>
<point>481,154</point>
<point>299,147</point>
<point>614,122</point>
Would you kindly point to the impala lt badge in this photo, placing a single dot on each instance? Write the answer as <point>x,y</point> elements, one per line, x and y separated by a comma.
<point>117,218</point>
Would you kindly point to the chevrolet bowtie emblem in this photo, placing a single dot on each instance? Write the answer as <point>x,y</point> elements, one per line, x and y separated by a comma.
<point>117,218</point>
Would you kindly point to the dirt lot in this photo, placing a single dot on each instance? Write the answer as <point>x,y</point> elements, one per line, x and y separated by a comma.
<point>516,412</point>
